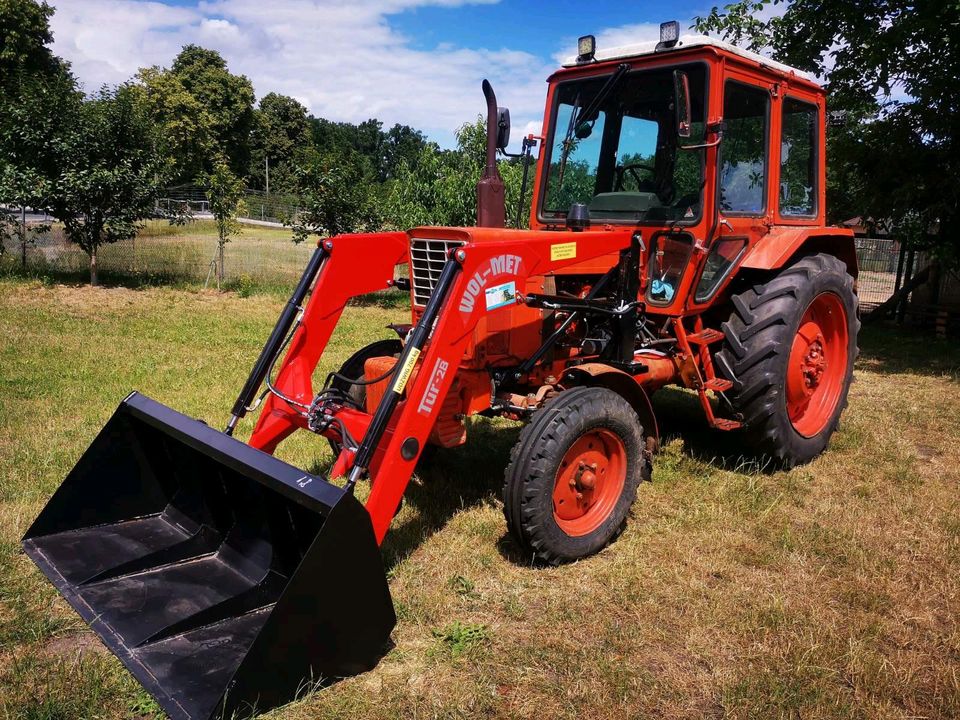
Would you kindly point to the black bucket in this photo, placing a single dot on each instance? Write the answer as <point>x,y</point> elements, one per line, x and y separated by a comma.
<point>227,581</point>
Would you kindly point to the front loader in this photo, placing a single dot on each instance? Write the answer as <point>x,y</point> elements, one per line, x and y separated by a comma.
<point>676,237</point>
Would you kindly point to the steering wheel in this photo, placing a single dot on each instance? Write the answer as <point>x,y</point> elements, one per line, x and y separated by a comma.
<point>632,169</point>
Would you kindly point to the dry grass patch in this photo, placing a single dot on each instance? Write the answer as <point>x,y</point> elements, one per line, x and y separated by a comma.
<point>829,591</point>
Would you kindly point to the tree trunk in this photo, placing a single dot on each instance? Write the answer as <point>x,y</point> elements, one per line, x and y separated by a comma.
<point>23,236</point>
<point>220,267</point>
<point>93,267</point>
<point>900,296</point>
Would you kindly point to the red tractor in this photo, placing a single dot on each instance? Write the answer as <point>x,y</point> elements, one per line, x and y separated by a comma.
<point>676,237</point>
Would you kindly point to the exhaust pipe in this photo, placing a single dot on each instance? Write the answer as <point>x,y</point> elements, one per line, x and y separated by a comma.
<point>491,203</point>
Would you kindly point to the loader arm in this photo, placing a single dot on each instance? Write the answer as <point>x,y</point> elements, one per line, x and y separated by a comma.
<point>394,435</point>
<point>355,265</point>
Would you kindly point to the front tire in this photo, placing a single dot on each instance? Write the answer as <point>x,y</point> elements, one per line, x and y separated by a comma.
<point>789,349</point>
<point>573,475</point>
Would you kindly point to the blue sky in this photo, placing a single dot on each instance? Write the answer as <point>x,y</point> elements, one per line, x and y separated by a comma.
<point>418,62</point>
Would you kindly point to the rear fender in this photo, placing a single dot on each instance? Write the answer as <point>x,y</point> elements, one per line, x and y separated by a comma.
<point>784,245</point>
<point>601,375</point>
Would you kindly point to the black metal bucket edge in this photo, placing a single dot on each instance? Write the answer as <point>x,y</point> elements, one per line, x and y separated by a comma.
<point>335,611</point>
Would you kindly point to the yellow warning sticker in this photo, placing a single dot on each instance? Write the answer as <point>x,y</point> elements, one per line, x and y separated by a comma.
<point>404,375</point>
<point>563,251</point>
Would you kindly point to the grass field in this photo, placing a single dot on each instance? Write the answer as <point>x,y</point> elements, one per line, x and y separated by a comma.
<point>832,591</point>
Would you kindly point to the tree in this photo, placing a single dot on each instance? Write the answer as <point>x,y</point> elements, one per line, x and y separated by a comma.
<point>24,37</point>
<point>38,99</point>
<point>894,69</point>
<point>281,139</point>
<point>439,187</point>
<point>381,152</point>
<point>203,110</point>
<point>335,198</point>
<point>185,137</point>
<point>401,144</point>
<point>225,191</point>
<point>108,172</point>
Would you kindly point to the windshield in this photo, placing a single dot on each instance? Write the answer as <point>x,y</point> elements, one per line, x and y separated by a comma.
<point>623,161</point>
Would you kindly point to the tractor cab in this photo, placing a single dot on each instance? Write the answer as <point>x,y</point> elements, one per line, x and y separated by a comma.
<point>703,146</point>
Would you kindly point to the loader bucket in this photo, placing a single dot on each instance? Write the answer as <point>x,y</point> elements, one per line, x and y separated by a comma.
<point>226,581</point>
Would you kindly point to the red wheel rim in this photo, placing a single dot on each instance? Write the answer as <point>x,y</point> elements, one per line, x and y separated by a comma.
<point>589,481</point>
<point>818,365</point>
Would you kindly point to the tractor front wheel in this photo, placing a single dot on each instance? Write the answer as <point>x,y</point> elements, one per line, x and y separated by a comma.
<point>789,349</point>
<point>573,475</point>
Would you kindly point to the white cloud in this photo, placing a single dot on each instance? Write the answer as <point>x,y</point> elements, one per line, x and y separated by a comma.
<point>340,58</point>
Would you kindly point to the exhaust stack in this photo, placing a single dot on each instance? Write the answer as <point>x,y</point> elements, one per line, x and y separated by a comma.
<point>491,204</point>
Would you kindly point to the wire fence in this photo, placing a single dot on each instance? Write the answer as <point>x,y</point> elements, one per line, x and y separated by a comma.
<point>276,208</point>
<point>878,260</point>
<point>266,256</point>
<point>170,254</point>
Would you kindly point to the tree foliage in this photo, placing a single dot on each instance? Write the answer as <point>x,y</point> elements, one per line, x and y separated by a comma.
<point>281,140</point>
<point>225,193</point>
<point>203,111</point>
<point>38,98</point>
<point>24,37</point>
<point>381,152</point>
<point>335,198</point>
<point>439,186</point>
<point>894,69</point>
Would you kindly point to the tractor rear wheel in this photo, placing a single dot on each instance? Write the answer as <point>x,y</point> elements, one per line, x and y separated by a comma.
<point>789,349</point>
<point>573,475</point>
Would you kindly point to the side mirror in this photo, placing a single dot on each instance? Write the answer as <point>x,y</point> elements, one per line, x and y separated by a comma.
<point>681,101</point>
<point>503,128</point>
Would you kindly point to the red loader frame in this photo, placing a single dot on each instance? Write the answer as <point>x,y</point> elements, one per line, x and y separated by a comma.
<point>394,435</point>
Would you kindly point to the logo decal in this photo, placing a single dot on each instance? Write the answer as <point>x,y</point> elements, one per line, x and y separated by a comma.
<point>499,265</point>
<point>500,295</point>
<point>432,392</point>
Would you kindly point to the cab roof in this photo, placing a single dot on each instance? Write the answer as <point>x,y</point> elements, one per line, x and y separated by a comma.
<point>684,43</point>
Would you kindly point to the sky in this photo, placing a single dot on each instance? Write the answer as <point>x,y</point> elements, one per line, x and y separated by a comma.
<point>415,62</point>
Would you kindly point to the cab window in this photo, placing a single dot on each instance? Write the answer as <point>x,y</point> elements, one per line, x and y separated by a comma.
<point>615,148</point>
<point>798,159</point>
<point>743,152</point>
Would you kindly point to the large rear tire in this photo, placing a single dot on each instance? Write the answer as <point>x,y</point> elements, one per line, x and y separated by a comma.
<point>573,475</point>
<point>789,349</point>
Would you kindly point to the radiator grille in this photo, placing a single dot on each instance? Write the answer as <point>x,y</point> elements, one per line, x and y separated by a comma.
<point>427,258</point>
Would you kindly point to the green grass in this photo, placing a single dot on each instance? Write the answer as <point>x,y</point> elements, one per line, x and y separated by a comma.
<point>829,591</point>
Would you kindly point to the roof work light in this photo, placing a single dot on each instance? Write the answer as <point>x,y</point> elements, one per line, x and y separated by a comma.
<point>669,34</point>
<point>586,47</point>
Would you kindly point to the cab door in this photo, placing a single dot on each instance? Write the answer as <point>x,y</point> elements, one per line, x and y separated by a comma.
<point>744,186</point>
